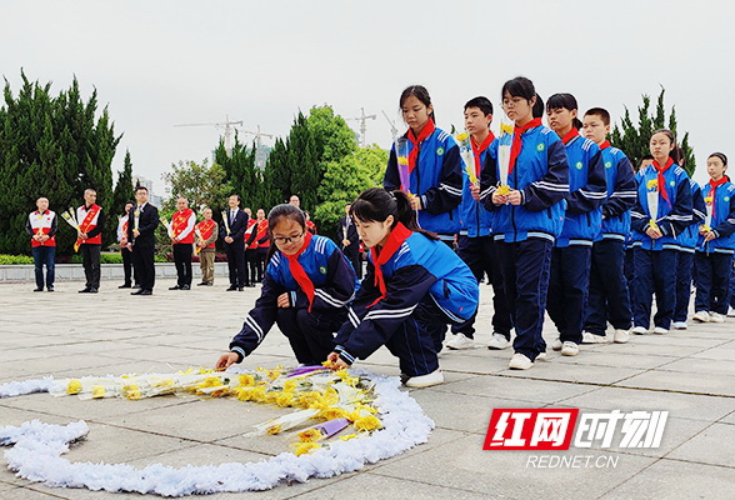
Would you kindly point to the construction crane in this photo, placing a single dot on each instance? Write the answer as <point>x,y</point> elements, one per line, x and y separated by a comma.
<point>259,151</point>
<point>393,129</point>
<point>363,118</point>
<point>227,126</point>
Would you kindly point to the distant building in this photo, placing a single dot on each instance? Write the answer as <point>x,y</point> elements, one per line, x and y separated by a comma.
<point>153,198</point>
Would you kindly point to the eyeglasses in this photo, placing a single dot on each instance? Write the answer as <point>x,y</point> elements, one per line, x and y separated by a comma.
<point>512,103</point>
<point>285,240</point>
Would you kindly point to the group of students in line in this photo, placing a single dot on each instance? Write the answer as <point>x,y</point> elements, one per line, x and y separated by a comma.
<point>544,211</point>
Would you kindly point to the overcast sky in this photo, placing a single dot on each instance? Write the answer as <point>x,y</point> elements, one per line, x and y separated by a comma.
<point>161,63</point>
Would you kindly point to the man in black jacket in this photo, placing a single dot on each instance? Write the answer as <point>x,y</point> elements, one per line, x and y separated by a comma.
<point>143,221</point>
<point>232,230</point>
<point>349,241</point>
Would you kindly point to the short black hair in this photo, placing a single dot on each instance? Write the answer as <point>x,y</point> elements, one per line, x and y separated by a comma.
<point>141,188</point>
<point>601,112</point>
<point>481,102</point>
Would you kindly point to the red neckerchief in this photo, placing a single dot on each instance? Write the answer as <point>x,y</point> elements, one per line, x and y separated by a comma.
<point>515,149</point>
<point>416,141</point>
<point>570,135</point>
<point>660,176</point>
<point>604,145</point>
<point>398,235</point>
<point>478,150</point>
<point>713,185</point>
<point>298,273</point>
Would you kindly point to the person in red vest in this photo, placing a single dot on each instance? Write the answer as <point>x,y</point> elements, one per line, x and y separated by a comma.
<point>207,233</point>
<point>42,226</point>
<point>263,240</point>
<point>91,220</point>
<point>310,226</point>
<point>127,255</point>
<point>251,256</point>
<point>182,241</point>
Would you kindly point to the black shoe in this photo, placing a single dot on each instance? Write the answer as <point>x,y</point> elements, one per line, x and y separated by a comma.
<point>50,288</point>
<point>232,288</point>
<point>250,285</point>
<point>177,287</point>
<point>93,290</point>
<point>86,290</point>
<point>203,283</point>
<point>138,292</point>
<point>240,289</point>
<point>186,287</point>
<point>38,290</point>
<point>136,287</point>
<point>146,292</point>
<point>209,283</point>
<point>126,285</point>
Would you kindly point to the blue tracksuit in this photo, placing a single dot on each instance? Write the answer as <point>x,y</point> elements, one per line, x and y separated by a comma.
<point>437,179</point>
<point>428,286</point>
<point>309,333</point>
<point>655,260</point>
<point>476,249</point>
<point>525,234</point>
<point>685,257</point>
<point>570,259</point>
<point>714,259</point>
<point>609,297</point>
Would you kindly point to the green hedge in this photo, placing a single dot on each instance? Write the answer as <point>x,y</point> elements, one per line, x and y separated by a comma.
<point>15,260</point>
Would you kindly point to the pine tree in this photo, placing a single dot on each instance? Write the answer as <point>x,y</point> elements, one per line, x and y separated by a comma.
<point>633,140</point>
<point>303,162</point>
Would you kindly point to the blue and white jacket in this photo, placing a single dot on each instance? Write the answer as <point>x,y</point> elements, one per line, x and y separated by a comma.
<point>672,218</point>
<point>476,220</point>
<point>587,192</point>
<point>422,269</point>
<point>334,282</point>
<point>621,194</point>
<point>436,179</point>
<point>688,238</point>
<point>541,174</point>
<point>723,220</point>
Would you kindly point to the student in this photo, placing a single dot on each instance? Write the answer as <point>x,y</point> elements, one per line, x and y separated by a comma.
<point>609,298</point>
<point>475,239</point>
<point>646,160</point>
<point>306,287</point>
<point>434,167</point>
<point>572,254</point>
<point>716,245</point>
<point>685,259</point>
<point>529,218</point>
<point>414,286</point>
<point>666,185</point>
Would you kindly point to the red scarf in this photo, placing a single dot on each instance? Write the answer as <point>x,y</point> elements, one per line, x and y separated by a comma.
<point>713,185</point>
<point>478,150</point>
<point>298,273</point>
<point>604,145</point>
<point>398,235</point>
<point>416,141</point>
<point>661,180</point>
<point>515,149</point>
<point>570,135</point>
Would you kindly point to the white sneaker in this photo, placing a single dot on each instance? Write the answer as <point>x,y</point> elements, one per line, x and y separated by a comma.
<point>591,338</point>
<point>434,378</point>
<point>520,362</point>
<point>639,330</point>
<point>556,344</point>
<point>679,325</point>
<point>460,341</point>
<point>731,314</point>
<point>498,342</point>
<point>621,336</point>
<point>701,317</point>
<point>541,356</point>
<point>660,330</point>
<point>716,317</point>
<point>569,349</point>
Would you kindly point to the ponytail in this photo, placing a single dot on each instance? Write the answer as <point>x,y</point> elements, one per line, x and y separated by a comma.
<point>564,101</point>
<point>377,204</point>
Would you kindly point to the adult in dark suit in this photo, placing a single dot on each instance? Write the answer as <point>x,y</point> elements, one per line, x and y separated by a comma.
<point>233,233</point>
<point>143,221</point>
<point>349,241</point>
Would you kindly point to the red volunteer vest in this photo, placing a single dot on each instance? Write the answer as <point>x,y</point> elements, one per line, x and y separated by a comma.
<point>179,222</point>
<point>87,221</point>
<point>206,228</point>
<point>41,224</point>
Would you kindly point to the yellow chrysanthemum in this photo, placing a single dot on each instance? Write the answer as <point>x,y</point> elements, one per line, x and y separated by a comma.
<point>74,386</point>
<point>332,412</point>
<point>273,430</point>
<point>285,399</point>
<point>347,437</point>
<point>304,448</point>
<point>708,200</point>
<point>309,435</point>
<point>242,393</point>
<point>344,375</point>
<point>289,386</point>
<point>247,380</point>
<point>98,391</point>
<point>368,423</point>
<point>503,190</point>
<point>402,160</point>
<point>133,395</point>
<point>463,136</point>
<point>258,394</point>
<point>652,184</point>
<point>505,128</point>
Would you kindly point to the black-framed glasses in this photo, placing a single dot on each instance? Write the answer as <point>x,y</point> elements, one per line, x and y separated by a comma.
<point>282,240</point>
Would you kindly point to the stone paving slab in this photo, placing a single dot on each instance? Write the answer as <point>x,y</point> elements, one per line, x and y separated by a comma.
<point>689,373</point>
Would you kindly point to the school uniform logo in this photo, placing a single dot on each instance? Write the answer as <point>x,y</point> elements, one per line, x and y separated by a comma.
<point>672,183</point>
<point>608,164</point>
<point>726,198</point>
<point>540,147</point>
<point>439,151</point>
<point>579,165</point>
<point>323,269</point>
